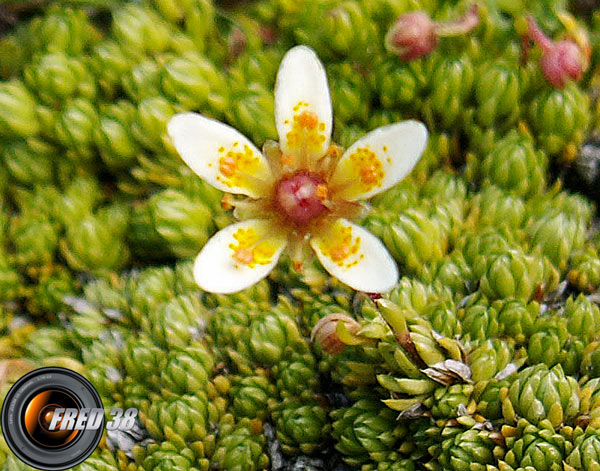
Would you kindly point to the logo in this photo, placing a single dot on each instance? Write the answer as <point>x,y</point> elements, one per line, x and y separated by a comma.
<point>53,419</point>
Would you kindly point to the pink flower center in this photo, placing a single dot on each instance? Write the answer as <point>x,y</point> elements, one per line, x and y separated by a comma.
<point>300,197</point>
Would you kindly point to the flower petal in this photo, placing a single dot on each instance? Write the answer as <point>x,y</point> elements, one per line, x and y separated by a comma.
<point>379,160</point>
<point>238,256</point>
<point>220,155</point>
<point>303,112</point>
<point>356,257</point>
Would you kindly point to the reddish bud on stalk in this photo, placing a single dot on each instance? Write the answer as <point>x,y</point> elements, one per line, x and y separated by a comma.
<point>562,60</point>
<point>412,35</point>
<point>324,333</point>
<point>415,34</point>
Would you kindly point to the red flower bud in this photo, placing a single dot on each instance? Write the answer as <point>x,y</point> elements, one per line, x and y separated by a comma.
<point>561,61</point>
<point>412,35</point>
<point>415,34</point>
<point>324,333</point>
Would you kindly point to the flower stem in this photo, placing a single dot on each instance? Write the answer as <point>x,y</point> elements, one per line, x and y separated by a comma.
<point>461,26</point>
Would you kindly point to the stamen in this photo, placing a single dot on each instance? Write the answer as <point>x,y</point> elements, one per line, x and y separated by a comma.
<point>327,164</point>
<point>322,191</point>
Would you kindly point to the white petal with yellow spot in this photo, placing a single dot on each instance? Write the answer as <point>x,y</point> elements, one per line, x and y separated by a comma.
<point>379,160</point>
<point>238,256</point>
<point>220,155</point>
<point>356,257</point>
<point>303,113</point>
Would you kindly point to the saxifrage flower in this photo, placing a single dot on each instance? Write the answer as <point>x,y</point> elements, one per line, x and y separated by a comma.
<point>299,192</point>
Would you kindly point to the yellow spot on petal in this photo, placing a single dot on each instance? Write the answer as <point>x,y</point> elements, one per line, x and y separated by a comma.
<point>341,246</point>
<point>249,250</point>
<point>221,149</point>
<point>235,166</point>
<point>367,168</point>
<point>385,148</point>
<point>263,252</point>
<point>307,131</point>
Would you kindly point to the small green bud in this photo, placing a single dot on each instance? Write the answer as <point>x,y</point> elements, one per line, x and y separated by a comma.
<point>56,77</point>
<point>143,360</point>
<point>351,95</point>
<point>35,238</point>
<point>560,118</point>
<point>140,29</point>
<point>586,452</point>
<point>150,125</point>
<point>110,64</point>
<point>154,287</point>
<point>175,323</point>
<point>452,86</point>
<point>514,165</point>
<point>301,426</point>
<point>540,393</point>
<point>187,371</point>
<point>63,30</point>
<point>185,224</point>
<point>142,80</point>
<point>538,448</point>
<point>497,208</point>
<point>17,111</point>
<point>194,82</point>
<point>250,396</point>
<point>489,358</point>
<point>585,271</point>
<point>268,335</point>
<point>75,127</point>
<point>365,430</point>
<point>557,238</point>
<point>96,243</point>
<point>241,448</point>
<point>497,91</point>
<point>509,274</point>
<point>30,162</point>
<point>117,146</point>
<point>251,111</point>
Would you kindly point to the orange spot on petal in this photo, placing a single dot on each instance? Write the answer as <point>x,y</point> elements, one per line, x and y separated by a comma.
<point>308,120</point>
<point>227,166</point>
<point>244,256</point>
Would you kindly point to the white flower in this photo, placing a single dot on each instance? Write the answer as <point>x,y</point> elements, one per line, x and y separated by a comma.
<point>302,190</point>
